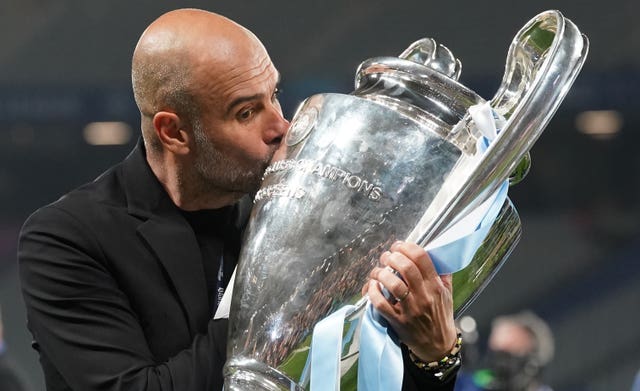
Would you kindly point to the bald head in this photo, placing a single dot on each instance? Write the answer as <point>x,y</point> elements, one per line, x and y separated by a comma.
<point>181,57</point>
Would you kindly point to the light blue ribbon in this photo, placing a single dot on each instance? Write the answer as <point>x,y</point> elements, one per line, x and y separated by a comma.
<point>326,350</point>
<point>452,257</point>
<point>380,365</point>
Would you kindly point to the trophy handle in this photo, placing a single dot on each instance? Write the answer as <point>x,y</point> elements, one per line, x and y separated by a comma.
<point>543,61</point>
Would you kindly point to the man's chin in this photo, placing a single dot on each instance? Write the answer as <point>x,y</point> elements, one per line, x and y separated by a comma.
<point>250,182</point>
<point>251,185</point>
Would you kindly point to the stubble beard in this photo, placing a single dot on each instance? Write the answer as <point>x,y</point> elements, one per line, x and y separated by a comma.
<point>217,171</point>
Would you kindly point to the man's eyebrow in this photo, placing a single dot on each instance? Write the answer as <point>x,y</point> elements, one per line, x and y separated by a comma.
<point>243,99</point>
<point>240,100</point>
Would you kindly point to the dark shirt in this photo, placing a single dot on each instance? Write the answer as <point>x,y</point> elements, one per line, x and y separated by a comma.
<point>219,241</point>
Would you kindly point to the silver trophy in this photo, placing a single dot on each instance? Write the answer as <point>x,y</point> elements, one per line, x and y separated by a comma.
<point>396,159</point>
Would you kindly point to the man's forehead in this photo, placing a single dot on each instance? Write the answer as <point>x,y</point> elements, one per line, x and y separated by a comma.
<point>256,83</point>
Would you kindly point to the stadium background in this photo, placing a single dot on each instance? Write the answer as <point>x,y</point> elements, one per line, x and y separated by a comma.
<point>65,64</point>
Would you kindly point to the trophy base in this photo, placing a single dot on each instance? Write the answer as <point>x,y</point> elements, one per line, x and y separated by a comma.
<point>251,375</point>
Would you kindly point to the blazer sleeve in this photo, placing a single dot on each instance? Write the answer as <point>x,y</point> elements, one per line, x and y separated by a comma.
<point>84,324</point>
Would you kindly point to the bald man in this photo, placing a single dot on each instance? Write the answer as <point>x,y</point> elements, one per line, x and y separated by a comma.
<point>121,277</point>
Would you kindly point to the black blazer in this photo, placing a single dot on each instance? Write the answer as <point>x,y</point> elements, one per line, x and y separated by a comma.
<point>114,287</point>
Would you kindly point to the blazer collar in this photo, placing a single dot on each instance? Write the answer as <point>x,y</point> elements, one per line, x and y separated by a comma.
<point>146,197</point>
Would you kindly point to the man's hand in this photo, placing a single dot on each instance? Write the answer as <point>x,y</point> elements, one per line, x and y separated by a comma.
<point>422,316</point>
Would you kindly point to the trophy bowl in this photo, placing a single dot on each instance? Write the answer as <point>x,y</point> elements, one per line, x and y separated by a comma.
<point>397,159</point>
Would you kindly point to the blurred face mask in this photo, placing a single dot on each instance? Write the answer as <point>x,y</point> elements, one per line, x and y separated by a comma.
<point>510,372</point>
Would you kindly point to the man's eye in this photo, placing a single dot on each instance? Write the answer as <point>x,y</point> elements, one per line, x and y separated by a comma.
<point>245,114</point>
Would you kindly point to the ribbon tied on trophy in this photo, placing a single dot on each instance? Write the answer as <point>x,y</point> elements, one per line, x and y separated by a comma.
<point>410,155</point>
<point>380,366</point>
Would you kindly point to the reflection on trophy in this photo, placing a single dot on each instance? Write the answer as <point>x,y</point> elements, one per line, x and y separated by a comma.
<point>396,159</point>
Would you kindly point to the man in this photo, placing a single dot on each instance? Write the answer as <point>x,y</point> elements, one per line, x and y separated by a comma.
<point>121,277</point>
<point>519,348</point>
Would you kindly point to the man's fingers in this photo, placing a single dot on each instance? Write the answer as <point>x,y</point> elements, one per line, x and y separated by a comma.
<point>379,302</point>
<point>418,256</point>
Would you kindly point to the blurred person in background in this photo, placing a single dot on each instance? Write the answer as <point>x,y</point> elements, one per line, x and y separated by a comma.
<point>519,347</point>
<point>10,379</point>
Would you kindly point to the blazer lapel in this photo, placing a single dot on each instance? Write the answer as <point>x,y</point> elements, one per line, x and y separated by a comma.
<point>169,236</point>
<point>175,246</point>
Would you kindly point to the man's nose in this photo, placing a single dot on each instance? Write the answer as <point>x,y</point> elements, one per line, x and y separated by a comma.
<point>277,128</point>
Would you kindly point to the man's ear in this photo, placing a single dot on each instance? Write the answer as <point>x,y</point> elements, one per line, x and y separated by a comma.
<point>171,133</point>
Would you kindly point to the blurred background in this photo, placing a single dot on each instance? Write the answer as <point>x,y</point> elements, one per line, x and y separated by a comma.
<point>67,113</point>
